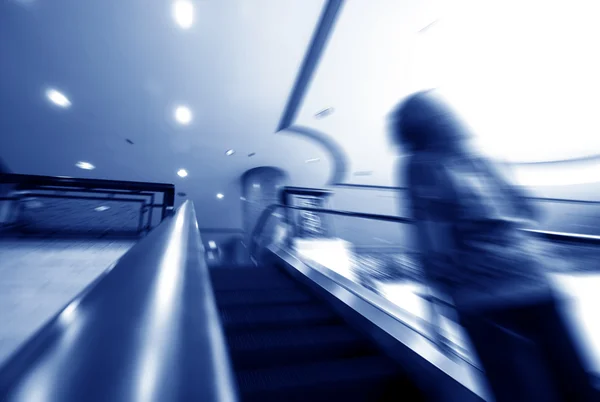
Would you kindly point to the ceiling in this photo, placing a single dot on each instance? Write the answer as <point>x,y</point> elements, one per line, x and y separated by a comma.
<point>521,73</point>
<point>125,66</point>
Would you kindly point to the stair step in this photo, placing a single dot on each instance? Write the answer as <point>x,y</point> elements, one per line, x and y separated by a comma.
<point>227,298</point>
<point>247,279</point>
<point>369,378</point>
<point>260,348</point>
<point>273,316</point>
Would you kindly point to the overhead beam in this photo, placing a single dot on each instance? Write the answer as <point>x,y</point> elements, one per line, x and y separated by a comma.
<point>322,33</point>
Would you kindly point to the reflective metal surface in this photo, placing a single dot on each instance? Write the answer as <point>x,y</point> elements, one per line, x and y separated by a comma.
<point>456,379</point>
<point>146,330</point>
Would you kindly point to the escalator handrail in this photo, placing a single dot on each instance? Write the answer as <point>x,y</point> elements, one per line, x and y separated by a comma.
<point>146,329</point>
<point>259,227</point>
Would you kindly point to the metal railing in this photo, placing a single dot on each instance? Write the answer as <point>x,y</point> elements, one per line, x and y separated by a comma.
<point>556,236</point>
<point>436,299</point>
<point>23,187</point>
<point>146,330</point>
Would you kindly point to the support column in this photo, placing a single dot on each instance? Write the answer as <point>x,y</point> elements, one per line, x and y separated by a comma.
<point>260,188</point>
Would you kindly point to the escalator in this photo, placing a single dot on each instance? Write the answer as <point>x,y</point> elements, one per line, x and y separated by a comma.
<point>287,345</point>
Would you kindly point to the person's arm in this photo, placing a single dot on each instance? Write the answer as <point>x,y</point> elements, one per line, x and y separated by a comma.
<point>431,203</point>
<point>434,241</point>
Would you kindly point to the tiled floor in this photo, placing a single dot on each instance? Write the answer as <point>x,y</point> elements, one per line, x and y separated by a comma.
<point>39,276</point>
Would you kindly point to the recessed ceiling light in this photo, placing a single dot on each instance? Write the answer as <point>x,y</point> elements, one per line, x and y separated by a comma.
<point>183,115</point>
<point>229,152</point>
<point>182,173</point>
<point>313,160</point>
<point>251,154</point>
<point>58,98</point>
<point>324,113</point>
<point>85,165</point>
<point>212,244</point>
<point>183,13</point>
<point>256,185</point>
<point>182,194</point>
<point>101,208</point>
<point>219,196</point>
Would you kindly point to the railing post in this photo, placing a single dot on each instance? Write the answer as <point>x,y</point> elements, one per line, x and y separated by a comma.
<point>287,218</point>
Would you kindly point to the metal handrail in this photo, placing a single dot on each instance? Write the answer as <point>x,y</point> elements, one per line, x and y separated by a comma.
<point>259,227</point>
<point>143,193</point>
<point>395,188</point>
<point>147,329</point>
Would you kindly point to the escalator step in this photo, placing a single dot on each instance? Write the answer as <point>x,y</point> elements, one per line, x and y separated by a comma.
<point>249,282</point>
<point>368,378</point>
<point>272,316</point>
<point>292,346</point>
<point>262,296</point>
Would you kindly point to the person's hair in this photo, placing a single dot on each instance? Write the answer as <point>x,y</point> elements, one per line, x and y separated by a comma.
<point>424,121</point>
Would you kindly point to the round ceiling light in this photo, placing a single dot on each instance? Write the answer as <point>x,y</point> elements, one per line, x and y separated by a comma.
<point>229,152</point>
<point>183,115</point>
<point>85,165</point>
<point>182,173</point>
<point>183,13</point>
<point>220,196</point>
<point>58,98</point>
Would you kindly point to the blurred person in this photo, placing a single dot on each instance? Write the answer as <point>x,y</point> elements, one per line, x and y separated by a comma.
<point>468,216</point>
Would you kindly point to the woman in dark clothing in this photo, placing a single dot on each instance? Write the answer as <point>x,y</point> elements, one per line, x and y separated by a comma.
<point>467,221</point>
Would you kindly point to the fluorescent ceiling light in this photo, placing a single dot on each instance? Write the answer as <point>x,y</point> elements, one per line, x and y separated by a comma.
<point>183,115</point>
<point>183,13</point>
<point>85,165</point>
<point>219,196</point>
<point>101,208</point>
<point>313,160</point>
<point>182,173</point>
<point>58,98</point>
<point>212,244</point>
<point>229,152</point>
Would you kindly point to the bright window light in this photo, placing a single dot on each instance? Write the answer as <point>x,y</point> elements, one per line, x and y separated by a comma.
<point>229,152</point>
<point>183,13</point>
<point>58,98</point>
<point>101,208</point>
<point>219,196</point>
<point>502,89</point>
<point>182,173</point>
<point>183,115</point>
<point>212,244</point>
<point>85,165</point>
